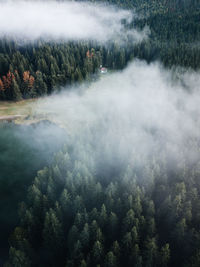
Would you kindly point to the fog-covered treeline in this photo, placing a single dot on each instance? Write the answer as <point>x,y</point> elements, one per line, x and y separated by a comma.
<point>84,212</point>
<point>124,190</point>
<point>31,71</point>
<point>37,69</point>
<point>20,160</point>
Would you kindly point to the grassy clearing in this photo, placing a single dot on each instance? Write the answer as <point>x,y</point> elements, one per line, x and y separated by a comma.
<point>23,107</point>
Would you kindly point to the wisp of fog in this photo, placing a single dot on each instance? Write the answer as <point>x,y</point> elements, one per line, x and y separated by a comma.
<point>68,21</point>
<point>139,112</point>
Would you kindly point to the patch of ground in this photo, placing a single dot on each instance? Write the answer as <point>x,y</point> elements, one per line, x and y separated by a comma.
<point>16,109</point>
<point>11,117</point>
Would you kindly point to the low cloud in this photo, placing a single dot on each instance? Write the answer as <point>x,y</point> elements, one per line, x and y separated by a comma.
<point>140,112</point>
<point>51,20</point>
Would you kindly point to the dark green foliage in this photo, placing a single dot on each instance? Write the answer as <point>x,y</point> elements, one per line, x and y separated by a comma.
<point>174,38</point>
<point>19,160</point>
<point>74,216</point>
<point>39,69</point>
<point>16,94</point>
<point>83,210</point>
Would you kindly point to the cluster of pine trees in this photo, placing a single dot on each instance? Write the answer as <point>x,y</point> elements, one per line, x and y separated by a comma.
<point>174,38</point>
<point>36,70</point>
<point>84,210</point>
<point>79,212</point>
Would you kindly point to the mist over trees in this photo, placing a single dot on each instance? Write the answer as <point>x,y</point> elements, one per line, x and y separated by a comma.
<point>112,195</point>
<point>84,211</point>
<point>20,160</point>
<point>124,189</point>
<point>174,37</point>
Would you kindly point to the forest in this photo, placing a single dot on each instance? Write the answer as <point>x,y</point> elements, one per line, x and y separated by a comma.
<point>41,68</point>
<point>91,207</point>
<point>87,179</point>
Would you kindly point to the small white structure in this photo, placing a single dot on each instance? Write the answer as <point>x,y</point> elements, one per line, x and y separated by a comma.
<point>103,70</point>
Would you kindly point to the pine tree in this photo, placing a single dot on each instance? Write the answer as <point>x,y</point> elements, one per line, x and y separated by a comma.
<point>52,235</point>
<point>18,258</point>
<point>16,94</point>
<point>40,85</point>
<point>110,260</point>
<point>97,252</point>
<point>165,255</point>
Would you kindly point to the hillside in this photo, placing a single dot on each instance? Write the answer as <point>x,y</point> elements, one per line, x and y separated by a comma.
<point>30,71</point>
<point>99,133</point>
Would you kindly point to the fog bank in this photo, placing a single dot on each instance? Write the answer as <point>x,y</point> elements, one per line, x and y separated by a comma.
<point>139,112</point>
<point>51,20</point>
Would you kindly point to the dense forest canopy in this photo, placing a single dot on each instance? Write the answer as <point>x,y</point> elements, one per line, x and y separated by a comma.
<point>124,190</point>
<point>20,160</point>
<point>99,205</point>
<point>38,69</point>
<point>117,177</point>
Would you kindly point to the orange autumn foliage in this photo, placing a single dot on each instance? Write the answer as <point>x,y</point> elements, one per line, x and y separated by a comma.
<point>7,80</point>
<point>28,79</point>
<point>31,81</point>
<point>1,85</point>
<point>89,54</point>
<point>26,76</point>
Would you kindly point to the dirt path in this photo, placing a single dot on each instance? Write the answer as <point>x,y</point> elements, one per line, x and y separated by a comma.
<point>10,117</point>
